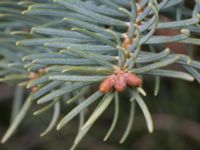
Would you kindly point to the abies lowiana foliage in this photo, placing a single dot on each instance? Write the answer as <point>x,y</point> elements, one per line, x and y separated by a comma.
<point>62,49</point>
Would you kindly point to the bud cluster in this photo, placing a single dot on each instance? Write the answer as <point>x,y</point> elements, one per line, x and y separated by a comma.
<point>119,81</point>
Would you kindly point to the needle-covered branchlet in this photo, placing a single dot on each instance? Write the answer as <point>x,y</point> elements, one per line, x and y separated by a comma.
<point>115,41</point>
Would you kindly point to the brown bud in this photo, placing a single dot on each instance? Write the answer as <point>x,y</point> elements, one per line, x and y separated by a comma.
<point>127,42</point>
<point>107,85</point>
<point>43,70</point>
<point>33,75</point>
<point>133,80</point>
<point>34,89</point>
<point>120,83</point>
